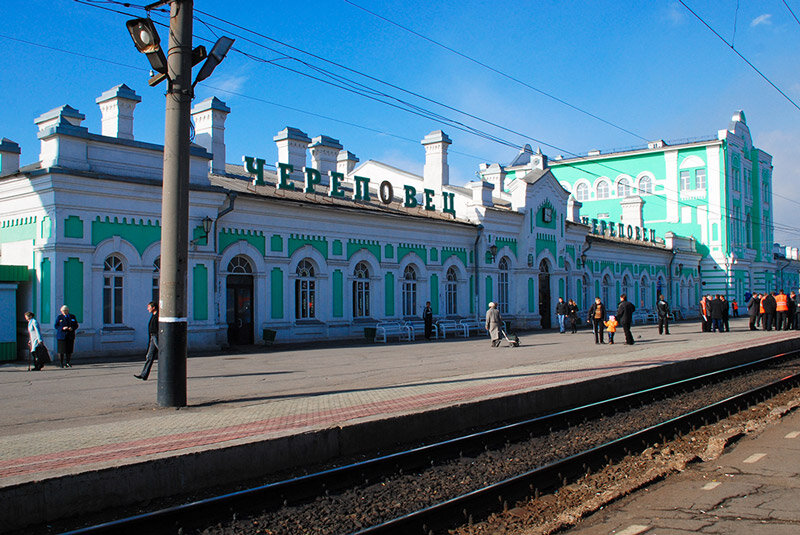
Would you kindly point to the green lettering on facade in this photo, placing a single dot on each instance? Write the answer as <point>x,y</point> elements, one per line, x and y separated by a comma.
<point>429,193</point>
<point>255,166</point>
<point>362,188</point>
<point>411,197</point>
<point>448,201</point>
<point>336,185</point>
<point>284,171</point>
<point>312,179</point>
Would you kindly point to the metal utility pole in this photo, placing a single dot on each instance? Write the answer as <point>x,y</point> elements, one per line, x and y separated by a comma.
<point>172,320</point>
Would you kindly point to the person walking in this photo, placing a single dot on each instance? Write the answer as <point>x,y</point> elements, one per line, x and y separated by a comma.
<point>493,324</point>
<point>596,314</point>
<point>561,314</point>
<point>781,310</point>
<point>735,308</point>
<point>66,325</point>
<point>427,318</point>
<point>753,306</point>
<point>625,312</point>
<point>38,351</point>
<point>769,304</point>
<point>611,327</point>
<point>572,315</point>
<point>152,346</point>
<point>662,308</point>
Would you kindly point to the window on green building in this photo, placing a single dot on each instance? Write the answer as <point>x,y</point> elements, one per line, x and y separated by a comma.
<point>602,190</point>
<point>686,181</point>
<point>700,179</point>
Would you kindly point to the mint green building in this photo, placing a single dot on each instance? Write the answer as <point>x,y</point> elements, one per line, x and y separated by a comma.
<point>717,190</point>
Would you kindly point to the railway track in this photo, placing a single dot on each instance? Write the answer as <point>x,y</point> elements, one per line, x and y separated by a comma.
<point>776,373</point>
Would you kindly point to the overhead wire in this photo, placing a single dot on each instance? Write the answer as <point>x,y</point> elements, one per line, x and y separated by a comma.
<point>353,88</point>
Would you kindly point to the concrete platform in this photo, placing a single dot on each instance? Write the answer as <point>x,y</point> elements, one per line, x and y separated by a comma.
<point>90,437</point>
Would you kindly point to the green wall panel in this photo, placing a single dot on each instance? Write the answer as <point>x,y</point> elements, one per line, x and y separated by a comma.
<point>531,295</point>
<point>458,252</point>
<point>200,292</point>
<point>45,294</point>
<point>8,351</point>
<point>435,293</point>
<point>489,290</point>
<point>276,244</point>
<point>73,287</point>
<point>337,248</point>
<point>73,227</point>
<point>296,241</point>
<point>20,229</point>
<point>471,294</point>
<point>388,292</point>
<point>276,293</point>
<point>138,233</point>
<point>338,293</point>
<point>404,248</point>
<point>353,246</point>
<point>228,237</point>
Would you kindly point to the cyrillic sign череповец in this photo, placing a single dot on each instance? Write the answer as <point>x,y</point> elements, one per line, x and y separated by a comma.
<point>619,230</point>
<point>255,166</point>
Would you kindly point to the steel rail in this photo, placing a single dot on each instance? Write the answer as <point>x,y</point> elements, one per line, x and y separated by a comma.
<point>303,488</point>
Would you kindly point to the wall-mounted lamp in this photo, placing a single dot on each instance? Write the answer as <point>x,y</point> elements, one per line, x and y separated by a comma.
<point>583,260</point>
<point>680,268</point>
<point>207,222</point>
<point>492,252</point>
<point>530,260</point>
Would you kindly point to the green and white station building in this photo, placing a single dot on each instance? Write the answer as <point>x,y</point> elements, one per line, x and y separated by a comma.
<point>322,246</point>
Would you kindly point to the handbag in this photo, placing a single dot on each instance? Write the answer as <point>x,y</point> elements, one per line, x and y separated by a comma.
<point>42,354</point>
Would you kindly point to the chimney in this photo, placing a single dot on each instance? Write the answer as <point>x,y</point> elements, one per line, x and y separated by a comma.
<point>481,192</point>
<point>292,144</point>
<point>209,130</point>
<point>346,162</point>
<point>324,156</point>
<point>63,141</point>
<point>574,210</point>
<point>436,172</point>
<point>495,174</point>
<point>64,115</point>
<point>9,157</point>
<point>116,107</point>
<point>632,210</point>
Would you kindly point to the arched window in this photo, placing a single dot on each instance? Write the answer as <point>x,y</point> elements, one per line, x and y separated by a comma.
<point>645,185</point>
<point>361,291</point>
<point>626,287</point>
<point>113,279</point>
<point>409,291</point>
<point>502,286</point>
<point>582,192</point>
<point>156,277</point>
<point>623,187</point>
<point>645,291</point>
<point>602,190</point>
<point>305,291</point>
<point>451,292</point>
<point>240,264</point>
<point>606,290</point>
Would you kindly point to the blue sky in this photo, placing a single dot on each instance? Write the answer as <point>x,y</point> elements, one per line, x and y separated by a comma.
<point>649,67</point>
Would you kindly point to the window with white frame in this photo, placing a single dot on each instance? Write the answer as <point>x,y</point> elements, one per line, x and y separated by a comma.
<point>241,265</point>
<point>451,292</point>
<point>602,190</point>
<point>113,281</point>
<point>582,192</point>
<point>361,290</point>
<point>305,291</point>
<point>686,180</point>
<point>645,185</point>
<point>700,179</point>
<point>502,286</point>
<point>409,291</point>
<point>623,187</point>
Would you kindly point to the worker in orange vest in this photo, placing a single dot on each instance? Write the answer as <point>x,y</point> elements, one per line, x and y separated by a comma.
<point>706,322</point>
<point>782,310</point>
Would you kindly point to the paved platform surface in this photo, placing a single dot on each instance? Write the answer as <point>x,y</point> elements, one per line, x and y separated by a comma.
<point>750,490</point>
<point>62,422</point>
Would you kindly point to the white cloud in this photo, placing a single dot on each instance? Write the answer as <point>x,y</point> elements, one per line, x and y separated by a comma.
<point>675,13</point>
<point>766,18</point>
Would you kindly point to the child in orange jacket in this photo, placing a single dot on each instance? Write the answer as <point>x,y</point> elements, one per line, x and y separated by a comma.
<point>611,328</point>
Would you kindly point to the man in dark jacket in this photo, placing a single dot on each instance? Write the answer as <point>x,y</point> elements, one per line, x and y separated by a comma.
<point>597,315</point>
<point>561,314</point>
<point>725,313</point>
<point>662,307</point>
<point>625,317</point>
<point>427,318</point>
<point>792,311</point>
<point>152,346</point>
<point>715,308</point>
<point>753,306</point>
<point>770,306</point>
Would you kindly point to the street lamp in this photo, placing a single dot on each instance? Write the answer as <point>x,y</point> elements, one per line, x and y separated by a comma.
<point>492,252</point>
<point>207,222</point>
<point>177,70</point>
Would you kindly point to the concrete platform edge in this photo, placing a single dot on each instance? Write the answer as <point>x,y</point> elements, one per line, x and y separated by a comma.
<point>59,497</point>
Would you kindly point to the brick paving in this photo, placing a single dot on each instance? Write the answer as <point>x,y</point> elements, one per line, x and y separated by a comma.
<point>97,415</point>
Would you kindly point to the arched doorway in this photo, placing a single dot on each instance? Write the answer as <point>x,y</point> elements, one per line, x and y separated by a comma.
<point>239,315</point>
<point>544,294</point>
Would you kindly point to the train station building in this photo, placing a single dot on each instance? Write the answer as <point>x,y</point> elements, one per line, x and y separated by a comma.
<point>322,246</point>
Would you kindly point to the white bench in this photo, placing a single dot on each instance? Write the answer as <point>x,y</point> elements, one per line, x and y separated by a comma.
<point>385,330</point>
<point>474,325</point>
<point>452,326</point>
<point>418,328</point>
